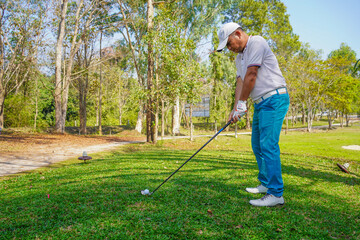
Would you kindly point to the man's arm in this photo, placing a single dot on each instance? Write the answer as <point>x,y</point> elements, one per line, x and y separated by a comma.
<point>243,89</point>
<point>249,83</point>
<point>238,91</point>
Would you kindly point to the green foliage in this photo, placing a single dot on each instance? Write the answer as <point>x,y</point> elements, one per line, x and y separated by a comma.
<point>119,90</point>
<point>316,85</point>
<point>17,112</point>
<point>356,69</point>
<point>266,18</point>
<point>342,88</point>
<point>20,107</point>
<point>198,17</point>
<point>223,80</point>
<point>72,108</point>
<point>176,67</point>
<point>180,27</point>
<point>46,103</point>
<point>345,52</point>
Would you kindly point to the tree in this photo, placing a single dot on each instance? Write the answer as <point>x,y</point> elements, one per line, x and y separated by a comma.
<point>342,88</point>
<point>83,13</point>
<point>150,115</point>
<point>223,79</point>
<point>356,69</point>
<point>174,54</point>
<point>269,19</point>
<point>21,32</point>
<point>84,60</point>
<point>105,17</point>
<point>133,30</point>
<point>304,74</point>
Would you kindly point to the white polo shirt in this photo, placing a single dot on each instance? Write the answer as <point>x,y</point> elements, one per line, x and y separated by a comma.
<point>258,53</point>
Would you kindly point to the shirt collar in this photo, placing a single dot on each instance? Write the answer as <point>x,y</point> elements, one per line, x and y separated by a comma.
<point>247,43</point>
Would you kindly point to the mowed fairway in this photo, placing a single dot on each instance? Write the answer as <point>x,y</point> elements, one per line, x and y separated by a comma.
<point>204,200</point>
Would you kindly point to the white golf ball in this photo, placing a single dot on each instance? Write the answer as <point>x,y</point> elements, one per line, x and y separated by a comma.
<point>145,192</point>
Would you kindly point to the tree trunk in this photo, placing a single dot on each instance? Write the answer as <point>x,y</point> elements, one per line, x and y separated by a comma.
<point>64,101</point>
<point>59,123</point>
<point>2,100</point>
<point>156,124</point>
<point>36,102</point>
<point>157,109</point>
<point>191,124</point>
<point>63,92</point>
<point>303,115</point>
<point>309,120</point>
<point>120,107</point>
<point>97,113</point>
<point>347,120</point>
<point>82,104</point>
<point>150,116</point>
<point>138,126</point>
<point>215,128</point>
<point>120,116</point>
<point>226,117</point>
<point>186,118</point>
<point>342,120</point>
<point>2,87</point>
<point>83,118</point>
<point>329,119</point>
<point>100,89</point>
<point>176,117</point>
<point>162,119</point>
<point>293,119</point>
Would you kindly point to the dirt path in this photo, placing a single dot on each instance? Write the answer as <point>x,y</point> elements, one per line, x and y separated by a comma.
<point>24,152</point>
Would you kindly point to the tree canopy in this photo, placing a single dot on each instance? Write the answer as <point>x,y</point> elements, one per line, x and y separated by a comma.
<point>87,63</point>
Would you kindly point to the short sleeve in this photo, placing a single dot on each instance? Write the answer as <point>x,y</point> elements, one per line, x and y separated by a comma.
<point>257,52</point>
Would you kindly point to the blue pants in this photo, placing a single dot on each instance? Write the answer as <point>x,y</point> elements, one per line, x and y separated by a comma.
<point>267,122</point>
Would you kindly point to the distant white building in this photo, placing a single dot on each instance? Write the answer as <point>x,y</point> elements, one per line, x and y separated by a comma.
<point>202,109</point>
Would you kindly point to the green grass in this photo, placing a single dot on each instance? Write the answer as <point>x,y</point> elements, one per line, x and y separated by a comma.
<point>204,200</point>
<point>201,128</point>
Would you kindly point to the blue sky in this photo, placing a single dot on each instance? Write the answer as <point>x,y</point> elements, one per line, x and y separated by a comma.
<point>325,24</point>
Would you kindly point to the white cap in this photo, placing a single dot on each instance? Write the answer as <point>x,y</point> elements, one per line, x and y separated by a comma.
<point>224,34</point>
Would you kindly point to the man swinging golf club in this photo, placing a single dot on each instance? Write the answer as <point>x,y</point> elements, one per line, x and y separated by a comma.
<point>259,77</point>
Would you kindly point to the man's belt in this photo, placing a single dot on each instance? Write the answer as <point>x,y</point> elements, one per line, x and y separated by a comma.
<point>278,91</point>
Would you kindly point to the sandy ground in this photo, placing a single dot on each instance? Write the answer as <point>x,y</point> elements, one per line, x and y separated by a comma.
<point>352,147</point>
<point>23,152</point>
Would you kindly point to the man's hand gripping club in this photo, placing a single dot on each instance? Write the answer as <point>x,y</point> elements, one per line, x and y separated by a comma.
<point>238,112</point>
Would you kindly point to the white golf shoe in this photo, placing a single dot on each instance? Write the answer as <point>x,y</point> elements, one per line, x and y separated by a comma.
<point>268,200</point>
<point>258,189</point>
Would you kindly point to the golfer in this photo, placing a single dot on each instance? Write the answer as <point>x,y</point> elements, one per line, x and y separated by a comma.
<point>259,77</point>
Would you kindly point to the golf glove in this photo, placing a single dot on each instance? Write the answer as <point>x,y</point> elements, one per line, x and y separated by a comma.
<point>240,110</point>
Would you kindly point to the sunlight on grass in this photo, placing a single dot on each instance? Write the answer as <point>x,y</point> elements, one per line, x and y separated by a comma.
<point>204,200</point>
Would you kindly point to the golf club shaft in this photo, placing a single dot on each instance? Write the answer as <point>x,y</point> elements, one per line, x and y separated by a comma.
<point>193,155</point>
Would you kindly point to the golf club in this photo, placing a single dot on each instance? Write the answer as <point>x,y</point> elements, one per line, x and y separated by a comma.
<point>147,192</point>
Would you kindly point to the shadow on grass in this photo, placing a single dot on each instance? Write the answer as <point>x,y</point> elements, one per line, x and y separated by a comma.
<point>204,200</point>
<point>106,130</point>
